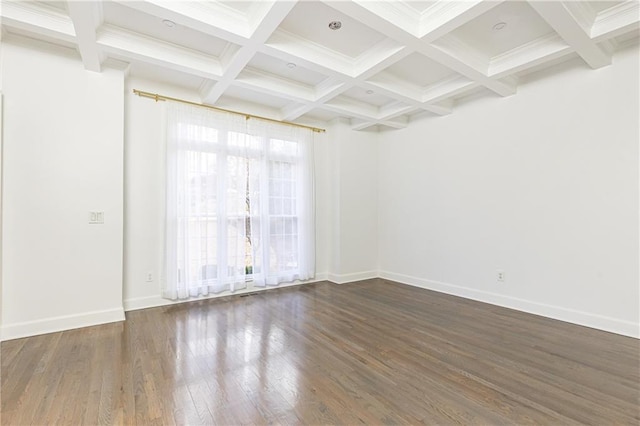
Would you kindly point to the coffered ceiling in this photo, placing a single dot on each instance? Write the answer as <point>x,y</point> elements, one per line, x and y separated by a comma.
<point>389,63</point>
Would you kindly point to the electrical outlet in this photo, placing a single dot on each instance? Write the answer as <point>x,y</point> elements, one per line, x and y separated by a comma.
<point>500,275</point>
<point>149,276</point>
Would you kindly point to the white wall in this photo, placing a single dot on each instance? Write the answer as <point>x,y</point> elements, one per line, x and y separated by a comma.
<point>63,157</point>
<point>144,165</point>
<point>1,150</point>
<point>354,202</point>
<point>543,185</point>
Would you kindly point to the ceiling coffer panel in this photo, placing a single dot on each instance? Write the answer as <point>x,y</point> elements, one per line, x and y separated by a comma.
<point>381,64</point>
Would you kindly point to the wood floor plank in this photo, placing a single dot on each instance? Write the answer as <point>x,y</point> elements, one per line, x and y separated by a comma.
<point>372,352</point>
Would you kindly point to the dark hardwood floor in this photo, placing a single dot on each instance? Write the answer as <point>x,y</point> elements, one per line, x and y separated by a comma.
<point>373,352</point>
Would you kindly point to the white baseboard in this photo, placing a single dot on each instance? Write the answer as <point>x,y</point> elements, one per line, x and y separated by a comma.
<point>50,325</point>
<point>613,325</point>
<point>134,304</point>
<point>67,322</point>
<point>349,278</point>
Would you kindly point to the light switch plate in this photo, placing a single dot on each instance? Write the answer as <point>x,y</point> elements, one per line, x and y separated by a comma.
<point>96,218</point>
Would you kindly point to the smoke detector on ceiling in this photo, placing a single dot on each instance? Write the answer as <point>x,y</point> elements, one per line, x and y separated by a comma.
<point>500,26</point>
<point>335,25</point>
<point>291,65</point>
<point>169,23</point>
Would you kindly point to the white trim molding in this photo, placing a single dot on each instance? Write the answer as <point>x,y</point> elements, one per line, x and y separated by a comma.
<point>69,322</point>
<point>613,325</point>
<point>62,323</point>
<point>353,277</point>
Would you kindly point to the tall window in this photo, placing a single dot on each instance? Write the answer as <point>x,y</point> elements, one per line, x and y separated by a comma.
<point>239,202</point>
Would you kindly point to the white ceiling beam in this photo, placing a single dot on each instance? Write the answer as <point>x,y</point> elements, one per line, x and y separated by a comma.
<point>324,91</point>
<point>456,51</point>
<point>390,85</point>
<point>333,88</point>
<point>328,89</point>
<point>446,89</point>
<point>443,108</point>
<point>87,17</point>
<point>362,125</point>
<point>370,14</point>
<point>351,108</point>
<point>262,82</point>
<point>398,123</point>
<point>136,46</point>
<point>339,68</point>
<point>567,26</point>
<point>398,13</point>
<point>236,64</point>
<point>405,93</point>
<point>389,112</point>
<point>374,60</point>
<point>444,17</point>
<point>445,105</point>
<point>38,19</point>
<point>422,97</point>
<point>448,51</point>
<point>582,12</point>
<point>378,58</point>
<point>407,31</point>
<point>270,18</point>
<point>251,107</point>
<point>615,21</point>
<point>294,111</point>
<point>337,77</point>
<point>285,45</point>
<point>374,15</point>
<point>407,103</point>
<point>534,53</point>
<point>211,18</point>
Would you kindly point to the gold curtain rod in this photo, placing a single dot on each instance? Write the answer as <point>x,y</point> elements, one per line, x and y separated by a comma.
<point>158,97</point>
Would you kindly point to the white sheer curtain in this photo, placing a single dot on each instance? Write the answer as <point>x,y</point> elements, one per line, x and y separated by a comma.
<point>239,202</point>
<point>282,203</point>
